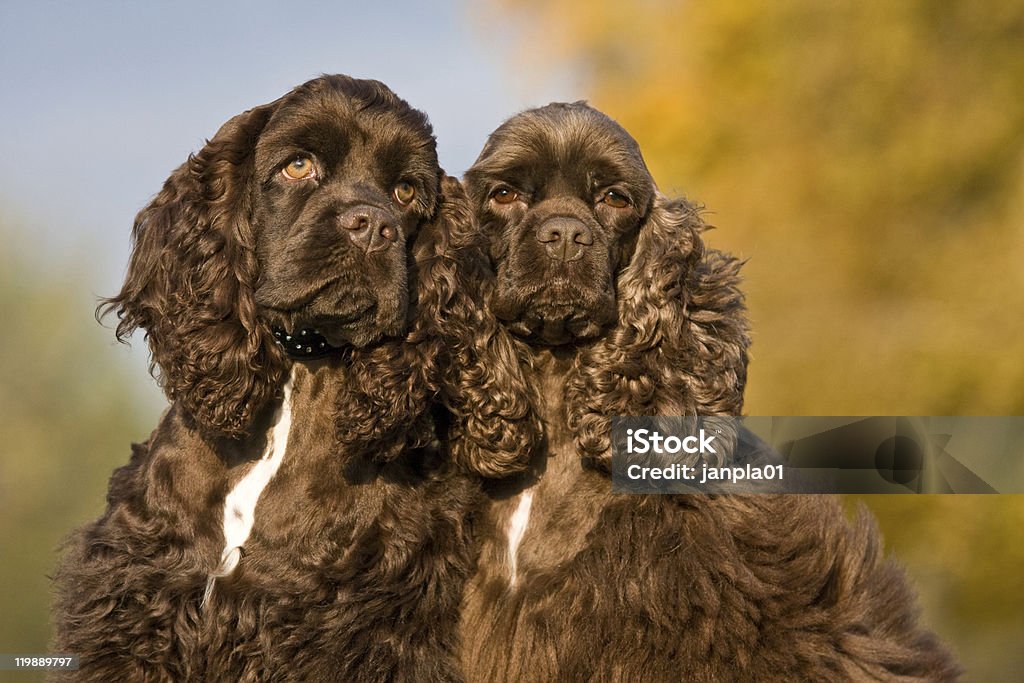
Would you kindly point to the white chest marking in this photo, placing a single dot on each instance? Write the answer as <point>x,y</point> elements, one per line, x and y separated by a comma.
<point>516,529</point>
<point>240,503</point>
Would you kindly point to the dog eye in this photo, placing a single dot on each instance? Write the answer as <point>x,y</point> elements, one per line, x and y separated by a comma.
<point>504,195</point>
<point>299,168</point>
<point>615,200</point>
<point>404,193</point>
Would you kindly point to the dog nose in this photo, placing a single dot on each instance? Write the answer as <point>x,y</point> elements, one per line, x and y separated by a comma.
<point>370,228</point>
<point>565,238</point>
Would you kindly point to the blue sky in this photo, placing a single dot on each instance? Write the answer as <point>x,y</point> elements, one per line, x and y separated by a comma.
<point>102,100</point>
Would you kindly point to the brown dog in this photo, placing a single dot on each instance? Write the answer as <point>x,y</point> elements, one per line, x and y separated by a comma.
<point>306,273</point>
<point>621,310</point>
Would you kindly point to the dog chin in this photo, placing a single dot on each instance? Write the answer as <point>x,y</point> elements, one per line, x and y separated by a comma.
<point>555,315</point>
<point>556,325</point>
<point>354,336</point>
<point>360,331</point>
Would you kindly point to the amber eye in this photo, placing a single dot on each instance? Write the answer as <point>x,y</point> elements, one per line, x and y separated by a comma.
<point>299,168</point>
<point>404,193</point>
<point>504,195</point>
<point>615,200</point>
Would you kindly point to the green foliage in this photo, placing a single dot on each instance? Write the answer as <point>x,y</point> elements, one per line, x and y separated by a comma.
<point>868,158</point>
<point>68,412</point>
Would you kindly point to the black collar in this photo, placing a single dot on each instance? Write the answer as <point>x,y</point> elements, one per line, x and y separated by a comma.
<point>303,344</point>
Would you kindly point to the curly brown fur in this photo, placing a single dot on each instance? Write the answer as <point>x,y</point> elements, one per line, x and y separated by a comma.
<point>360,545</point>
<point>620,309</point>
<point>456,352</point>
<point>190,285</point>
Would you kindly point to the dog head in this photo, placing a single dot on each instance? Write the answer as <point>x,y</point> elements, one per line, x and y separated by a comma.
<point>589,255</point>
<point>297,220</point>
<point>343,174</point>
<point>562,192</point>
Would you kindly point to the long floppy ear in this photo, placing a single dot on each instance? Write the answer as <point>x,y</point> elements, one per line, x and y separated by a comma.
<point>455,353</point>
<point>494,427</point>
<point>680,345</point>
<point>190,285</point>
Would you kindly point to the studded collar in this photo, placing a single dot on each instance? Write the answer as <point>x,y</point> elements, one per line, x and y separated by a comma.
<point>303,344</point>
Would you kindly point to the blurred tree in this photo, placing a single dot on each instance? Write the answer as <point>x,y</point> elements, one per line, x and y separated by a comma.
<point>68,411</point>
<point>868,157</point>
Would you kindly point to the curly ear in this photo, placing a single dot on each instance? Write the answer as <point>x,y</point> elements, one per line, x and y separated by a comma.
<point>680,345</point>
<point>454,352</point>
<point>494,427</point>
<point>190,285</point>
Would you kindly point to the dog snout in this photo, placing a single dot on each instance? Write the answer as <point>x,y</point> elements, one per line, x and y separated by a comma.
<point>565,239</point>
<point>370,228</point>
